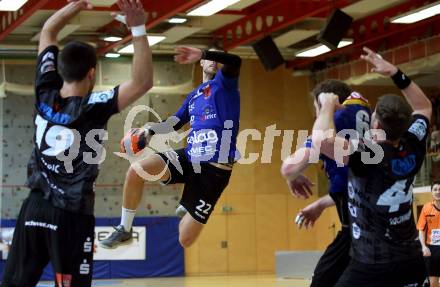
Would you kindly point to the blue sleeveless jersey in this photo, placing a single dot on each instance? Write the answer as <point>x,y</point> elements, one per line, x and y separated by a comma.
<point>213,111</point>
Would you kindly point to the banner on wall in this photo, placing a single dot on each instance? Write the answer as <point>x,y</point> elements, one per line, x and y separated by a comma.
<point>136,250</point>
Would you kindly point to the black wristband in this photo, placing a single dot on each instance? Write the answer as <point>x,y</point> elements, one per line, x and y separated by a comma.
<point>204,54</point>
<point>401,80</point>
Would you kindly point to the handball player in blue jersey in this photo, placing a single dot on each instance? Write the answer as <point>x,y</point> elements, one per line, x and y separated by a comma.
<point>205,165</point>
<point>354,116</point>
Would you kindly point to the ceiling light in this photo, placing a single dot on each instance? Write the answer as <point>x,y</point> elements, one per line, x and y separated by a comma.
<point>11,5</point>
<point>153,40</point>
<point>177,20</point>
<point>212,7</point>
<point>321,49</point>
<point>112,39</point>
<point>418,15</point>
<point>112,55</point>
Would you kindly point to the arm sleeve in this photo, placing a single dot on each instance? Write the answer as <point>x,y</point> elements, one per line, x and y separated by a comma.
<point>421,223</point>
<point>231,63</point>
<point>47,76</point>
<point>103,104</point>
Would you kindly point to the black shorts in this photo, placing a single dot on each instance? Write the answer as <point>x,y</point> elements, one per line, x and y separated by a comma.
<point>334,261</point>
<point>433,261</point>
<point>203,187</point>
<point>46,234</point>
<point>397,274</point>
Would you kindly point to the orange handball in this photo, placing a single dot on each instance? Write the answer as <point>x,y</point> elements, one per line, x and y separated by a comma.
<point>134,141</point>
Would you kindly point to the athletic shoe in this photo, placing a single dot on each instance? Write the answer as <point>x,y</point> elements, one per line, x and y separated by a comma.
<point>117,238</point>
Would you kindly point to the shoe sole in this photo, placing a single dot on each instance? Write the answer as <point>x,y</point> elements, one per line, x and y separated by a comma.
<point>123,243</point>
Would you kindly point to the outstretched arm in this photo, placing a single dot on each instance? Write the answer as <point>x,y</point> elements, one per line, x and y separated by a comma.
<point>142,71</point>
<point>412,92</point>
<point>57,21</point>
<point>231,63</point>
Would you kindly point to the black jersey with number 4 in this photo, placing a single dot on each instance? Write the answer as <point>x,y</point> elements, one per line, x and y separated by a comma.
<point>69,131</point>
<point>380,198</point>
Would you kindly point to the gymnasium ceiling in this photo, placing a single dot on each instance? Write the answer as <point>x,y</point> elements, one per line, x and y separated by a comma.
<point>293,24</point>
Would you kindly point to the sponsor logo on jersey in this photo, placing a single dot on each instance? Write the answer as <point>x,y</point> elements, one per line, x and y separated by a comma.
<point>198,139</point>
<point>101,97</point>
<point>400,219</point>
<point>191,107</point>
<point>88,245</point>
<point>41,224</point>
<point>353,209</point>
<point>208,113</point>
<point>52,167</point>
<point>207,91</point>
<point>203,137</point>
<point>435,237</point>
<point>404,165</point>
<point>356,231</point>
<point>48,63</point>
<point>418,128</point>
<point>84,268</point>
<point>351,192</point>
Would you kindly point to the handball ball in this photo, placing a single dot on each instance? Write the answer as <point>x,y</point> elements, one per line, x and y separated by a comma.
<point>134,141</point>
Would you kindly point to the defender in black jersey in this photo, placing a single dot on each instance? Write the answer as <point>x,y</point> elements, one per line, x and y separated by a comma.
<point>56,222</point>
<point>355,116</point>
<point>385,247</point>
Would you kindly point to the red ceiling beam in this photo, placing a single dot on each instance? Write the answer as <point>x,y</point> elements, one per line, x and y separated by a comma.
<point>56,5</point>
<point>158,11</point>
<point>9,21</point>
<point>374,30</point>
<point>272,17</point>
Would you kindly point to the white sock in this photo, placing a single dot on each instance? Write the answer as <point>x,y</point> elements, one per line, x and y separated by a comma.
<point>127,218</point>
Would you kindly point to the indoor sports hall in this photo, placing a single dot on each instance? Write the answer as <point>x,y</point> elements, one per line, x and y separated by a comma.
<point>126,124</point>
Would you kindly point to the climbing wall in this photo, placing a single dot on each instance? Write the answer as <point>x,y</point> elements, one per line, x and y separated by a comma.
<point>16,113</point>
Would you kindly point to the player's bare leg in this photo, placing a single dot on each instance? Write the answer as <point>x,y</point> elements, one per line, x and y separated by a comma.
<point>132,195</point>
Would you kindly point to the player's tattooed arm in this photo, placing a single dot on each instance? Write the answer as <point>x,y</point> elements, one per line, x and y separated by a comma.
<point>58,21</point>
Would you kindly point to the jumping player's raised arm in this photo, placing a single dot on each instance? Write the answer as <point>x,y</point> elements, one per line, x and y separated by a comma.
<point>231,63</point>
<point>142,71</point>
<point>412,92</point>
<point>58,20</point>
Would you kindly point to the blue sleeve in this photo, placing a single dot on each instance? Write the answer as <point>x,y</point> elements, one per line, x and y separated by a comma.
<point>227,83</point>
<point>342,120</point>
<point>183,113</point>
<point>339,180</point>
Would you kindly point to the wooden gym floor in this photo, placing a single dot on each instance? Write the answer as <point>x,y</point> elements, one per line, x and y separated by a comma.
<point>214,281</point>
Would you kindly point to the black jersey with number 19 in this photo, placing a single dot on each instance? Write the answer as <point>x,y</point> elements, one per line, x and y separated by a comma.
<point>380,199</point>
<point>69,132</point>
